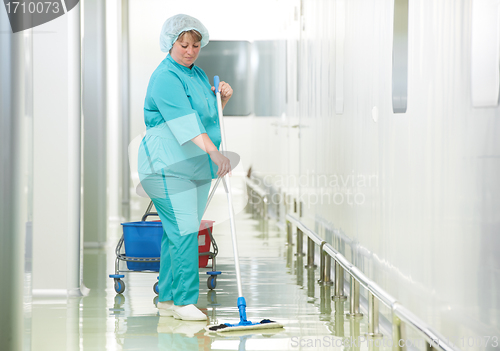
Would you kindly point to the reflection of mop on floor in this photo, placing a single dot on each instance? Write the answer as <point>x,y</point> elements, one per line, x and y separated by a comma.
<point>243,336</point>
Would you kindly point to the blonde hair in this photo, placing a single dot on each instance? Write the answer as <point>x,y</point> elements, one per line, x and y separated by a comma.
<point>194,34</point>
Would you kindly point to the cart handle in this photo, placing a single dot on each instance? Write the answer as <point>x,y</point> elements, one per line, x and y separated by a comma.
<point>147,214</point>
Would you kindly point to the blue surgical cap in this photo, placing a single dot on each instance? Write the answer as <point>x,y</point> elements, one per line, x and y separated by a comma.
<point>177,24</point>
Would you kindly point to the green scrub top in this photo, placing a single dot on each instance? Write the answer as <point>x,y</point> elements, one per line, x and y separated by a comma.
<point>179,106</point>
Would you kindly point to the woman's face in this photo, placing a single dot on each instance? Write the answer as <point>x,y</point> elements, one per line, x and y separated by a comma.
<point>185,50</point>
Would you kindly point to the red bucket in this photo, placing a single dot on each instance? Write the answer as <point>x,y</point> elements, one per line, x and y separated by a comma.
<point>204,241</point>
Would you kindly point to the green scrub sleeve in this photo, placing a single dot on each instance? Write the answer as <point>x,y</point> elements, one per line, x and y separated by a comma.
<point>172,101</point>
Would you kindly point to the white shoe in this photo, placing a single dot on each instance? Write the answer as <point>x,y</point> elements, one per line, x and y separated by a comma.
<point>165,308</point>
<point>188,313</point>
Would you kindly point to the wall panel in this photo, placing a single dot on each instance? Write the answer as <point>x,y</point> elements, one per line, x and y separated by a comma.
<point>416,193</point>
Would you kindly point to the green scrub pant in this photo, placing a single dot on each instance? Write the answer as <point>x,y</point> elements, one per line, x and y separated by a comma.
<point>180,204</point>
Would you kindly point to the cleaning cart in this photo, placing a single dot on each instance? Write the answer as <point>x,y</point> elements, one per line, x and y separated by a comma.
<point>140,247</point>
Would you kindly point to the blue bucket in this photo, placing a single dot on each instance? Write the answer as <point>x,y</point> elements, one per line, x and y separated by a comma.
<point>143,239</point>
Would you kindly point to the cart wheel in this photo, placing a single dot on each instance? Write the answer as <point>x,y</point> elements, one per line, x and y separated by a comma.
<point>156,289</point>
<point>119,286</point>
<point>212,282</point>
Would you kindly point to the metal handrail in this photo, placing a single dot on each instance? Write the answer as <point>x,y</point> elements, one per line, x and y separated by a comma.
<point>253,188</point>
<point>434,339</point>
<point>250,183</point>
<point>338,233</point>
<point>314,237</point>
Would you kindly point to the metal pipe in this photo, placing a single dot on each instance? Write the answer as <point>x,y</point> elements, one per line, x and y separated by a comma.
<point>344,263</point>
<point>304,229</point>
<point>289,236</point>
<point>285,203</point>
<point>260,206</point>
<point>255,188</point>
<point>398,334</point>
<point>354,326</point>
<point>321,263</point>
<point>380,294</point>
<point>252,203</point>
<point>373,327</point>
<point>330,251</point>
<point>359,276</point>
<point>327,280</point>
<point>339,283</point>
<point>339,318</point>
<point>310,254</point>
<point>311,286</point>
<point>289,256</point>
<point>299,271</point>
<point>354,299</point>
<point>325,306</point>
<point>300,242</point>
<point>265,205</point>
<point>211,194</point>
<point>278,205</point>
<point>255,204</point>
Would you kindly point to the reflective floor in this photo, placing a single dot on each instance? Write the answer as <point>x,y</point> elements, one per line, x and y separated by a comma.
<point>275,284</point>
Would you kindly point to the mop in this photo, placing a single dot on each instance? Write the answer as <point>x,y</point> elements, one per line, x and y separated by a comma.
<point>244,324</point>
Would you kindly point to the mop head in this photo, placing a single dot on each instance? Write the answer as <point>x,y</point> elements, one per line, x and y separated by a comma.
<point>243,326</point>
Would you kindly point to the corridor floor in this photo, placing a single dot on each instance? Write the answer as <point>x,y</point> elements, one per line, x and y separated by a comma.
<point>275,284</point>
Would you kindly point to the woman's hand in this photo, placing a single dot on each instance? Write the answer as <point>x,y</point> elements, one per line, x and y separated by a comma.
<point>221,161</point>
<point>225,92</point>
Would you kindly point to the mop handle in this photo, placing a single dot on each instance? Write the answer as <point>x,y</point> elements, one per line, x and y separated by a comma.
<point>229,192</point>
<point>216,86</point>
<point>212,194</point>
<point>219,109</point>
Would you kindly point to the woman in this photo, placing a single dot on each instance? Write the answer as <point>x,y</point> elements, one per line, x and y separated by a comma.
<point>179,157</point>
